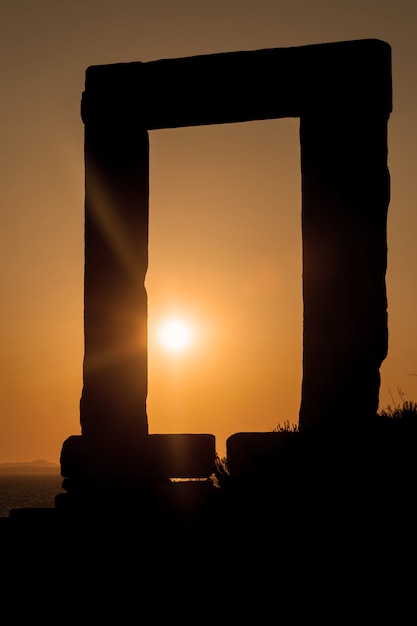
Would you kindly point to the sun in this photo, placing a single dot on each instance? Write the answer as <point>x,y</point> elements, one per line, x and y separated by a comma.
<point>175,335</point>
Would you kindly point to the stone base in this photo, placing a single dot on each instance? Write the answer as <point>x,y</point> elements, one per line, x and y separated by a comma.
<point>154,457</point>
<point>246,451</point>
<point>131,483</point>
<point>131,498</point>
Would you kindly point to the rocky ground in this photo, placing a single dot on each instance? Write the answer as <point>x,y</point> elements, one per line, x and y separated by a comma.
<point>328,532</point>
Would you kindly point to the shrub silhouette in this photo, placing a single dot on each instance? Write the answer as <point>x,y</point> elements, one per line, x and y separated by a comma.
<point>394,428</point>
<point>221,473</point>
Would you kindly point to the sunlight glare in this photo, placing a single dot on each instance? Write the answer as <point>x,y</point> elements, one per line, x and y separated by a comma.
<point>175,335</point>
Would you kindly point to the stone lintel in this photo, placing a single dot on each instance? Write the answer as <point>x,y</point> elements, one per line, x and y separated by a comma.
<point>241,86</point>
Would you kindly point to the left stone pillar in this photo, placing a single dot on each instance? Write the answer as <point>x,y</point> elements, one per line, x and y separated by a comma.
<point>113,401</point>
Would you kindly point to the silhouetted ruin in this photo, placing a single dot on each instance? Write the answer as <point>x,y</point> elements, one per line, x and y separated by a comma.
<point>342,94</point>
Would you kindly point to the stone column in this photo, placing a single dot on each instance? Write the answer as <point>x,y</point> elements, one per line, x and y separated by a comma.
<point>345,197</point>
<point>114,426</point>
<point>113,402</point>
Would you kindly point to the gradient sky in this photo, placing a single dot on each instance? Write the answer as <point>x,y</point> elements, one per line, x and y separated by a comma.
<point>225,217</point>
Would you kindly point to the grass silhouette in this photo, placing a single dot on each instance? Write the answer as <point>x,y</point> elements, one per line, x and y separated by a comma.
<point>404,410</point>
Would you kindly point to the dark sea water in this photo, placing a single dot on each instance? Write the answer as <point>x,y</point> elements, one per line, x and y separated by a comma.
<point>22,490</point>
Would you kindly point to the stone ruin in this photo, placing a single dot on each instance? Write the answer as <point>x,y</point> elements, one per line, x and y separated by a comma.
<point>342,93</point>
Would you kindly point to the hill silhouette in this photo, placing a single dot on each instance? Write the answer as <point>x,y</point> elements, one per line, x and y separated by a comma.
<point>38,466</point>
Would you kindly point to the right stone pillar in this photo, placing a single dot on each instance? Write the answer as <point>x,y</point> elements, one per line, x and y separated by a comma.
<point>345,197</point>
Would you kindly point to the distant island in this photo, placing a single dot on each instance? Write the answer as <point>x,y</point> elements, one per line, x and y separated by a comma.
<point>40,466</point>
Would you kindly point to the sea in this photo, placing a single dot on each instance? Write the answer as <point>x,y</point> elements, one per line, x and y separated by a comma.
<point>28,491</point>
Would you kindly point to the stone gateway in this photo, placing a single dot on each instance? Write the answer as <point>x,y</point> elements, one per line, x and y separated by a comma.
<point>342,93</point>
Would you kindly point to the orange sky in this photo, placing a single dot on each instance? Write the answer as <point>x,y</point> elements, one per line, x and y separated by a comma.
<point>225,227</point>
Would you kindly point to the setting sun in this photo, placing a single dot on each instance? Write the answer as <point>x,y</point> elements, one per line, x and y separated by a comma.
<point>174,335</point>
